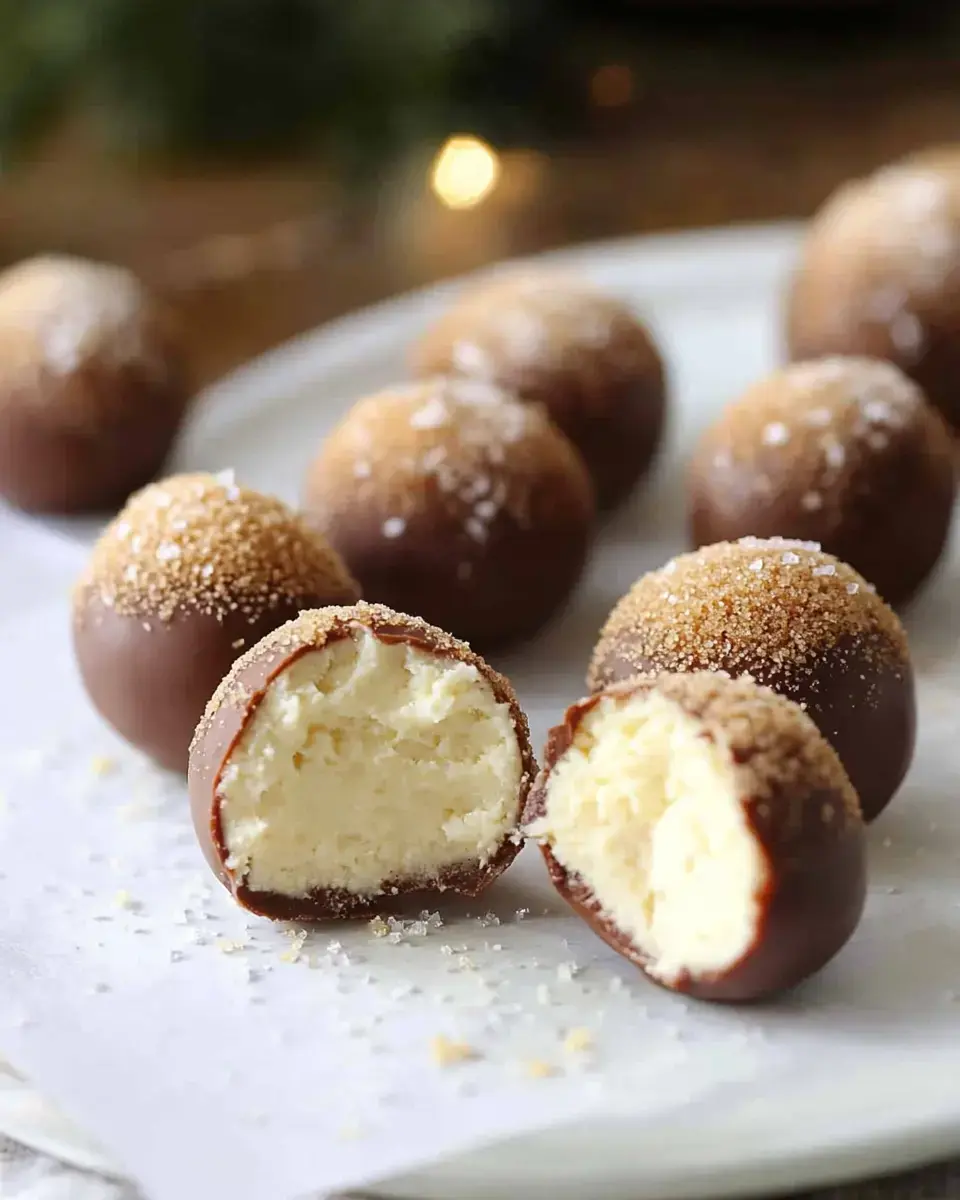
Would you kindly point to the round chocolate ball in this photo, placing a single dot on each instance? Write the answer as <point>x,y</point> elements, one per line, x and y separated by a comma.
<point>556,341</point>
<point>879,275</point>
<point>706,830</point>
<point>92,385</point>
<point>450,500</point>
<point>841,451</point>
<point>192,572</point>
<point>793,619</point>
<point>354,756</point>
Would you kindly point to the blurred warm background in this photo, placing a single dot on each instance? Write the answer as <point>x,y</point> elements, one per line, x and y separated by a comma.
<point>272,163</point>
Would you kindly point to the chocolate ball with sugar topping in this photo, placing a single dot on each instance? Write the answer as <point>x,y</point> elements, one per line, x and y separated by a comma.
<point>842,451</point>
<point>354,756</point>
<point>193,571</point>
<point>879,275</point>
<point>793,619</point>
<point>92,385</point>
<point>706,830</point>
<point>553,339</point>
<point>453,501</point>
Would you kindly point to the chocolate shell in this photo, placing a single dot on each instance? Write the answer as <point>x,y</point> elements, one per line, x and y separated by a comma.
<point>735,867</point>
<point>385,816</point>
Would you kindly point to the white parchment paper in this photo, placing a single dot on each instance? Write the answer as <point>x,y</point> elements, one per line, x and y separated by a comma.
<point>214,1055</point>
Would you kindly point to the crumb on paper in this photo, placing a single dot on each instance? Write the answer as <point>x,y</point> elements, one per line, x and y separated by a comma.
<point>536,1068</point>
<point>102,764</point>
<point>447,1053</point>
<point>123,899</point>
<point>351,1131</point>
<point>578,1040</point>
<point>543,994</point>
<point>230,945</point>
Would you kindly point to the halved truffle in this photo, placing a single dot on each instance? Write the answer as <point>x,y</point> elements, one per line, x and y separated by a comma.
<point>792,618</point>
<point>705,829</point>
<point>355,755</point>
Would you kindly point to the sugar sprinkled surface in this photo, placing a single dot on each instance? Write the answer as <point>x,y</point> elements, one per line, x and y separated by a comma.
<point>728,612</point>
<point>458,448</point>
<point>818,431</point>
<point>200,543</point>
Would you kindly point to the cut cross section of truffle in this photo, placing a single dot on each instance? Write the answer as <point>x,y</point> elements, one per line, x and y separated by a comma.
<point>792,618</point>
<point>706,830</point>
<point>358,754</point>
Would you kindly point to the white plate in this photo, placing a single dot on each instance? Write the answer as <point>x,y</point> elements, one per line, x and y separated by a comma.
<point>712,299</point>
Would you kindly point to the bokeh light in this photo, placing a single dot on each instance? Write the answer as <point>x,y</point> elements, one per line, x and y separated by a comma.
<point>464,172</point>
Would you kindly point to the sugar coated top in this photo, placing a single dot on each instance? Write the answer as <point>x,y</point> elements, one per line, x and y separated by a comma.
<point>444,445</point>
<point>528,325</point>
<point>202,543</point>
<point>732,605</point>
<point>58,314</point>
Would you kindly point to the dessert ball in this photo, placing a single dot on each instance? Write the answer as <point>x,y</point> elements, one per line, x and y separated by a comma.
<point>450,500</point>
<point>356,755</point>
<point>706,830</point>
<point>793,619</point>
<point>841,451</point>
<point>583,355</point>
<point>879,276</point>
<point>192,572</point>
<point>92,385</point>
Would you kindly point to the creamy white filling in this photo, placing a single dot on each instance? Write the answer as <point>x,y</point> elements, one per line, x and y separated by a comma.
<point>367,762</point>
<point>647,812</point>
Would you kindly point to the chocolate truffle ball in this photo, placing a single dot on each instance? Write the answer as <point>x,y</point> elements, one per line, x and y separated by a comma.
<point>583,355</point>
<point>706,830</point>
<point>879,276</point>
<point>450,500</point>
<point>353,756</point>
<point>92,385</point>
<point>191,573</point>
<point>794,619</point>
<point>841,451</point>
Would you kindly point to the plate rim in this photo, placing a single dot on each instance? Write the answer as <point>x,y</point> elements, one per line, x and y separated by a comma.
<point>317,350</point>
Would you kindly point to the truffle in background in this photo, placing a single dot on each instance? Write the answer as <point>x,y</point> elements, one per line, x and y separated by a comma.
<point>357,755</point>
<point>879,276</point>
<point>92,385</point>
<point>706,830</point>
<point>841,451</point>
<point>792,618</point>
<point>556,341</point>
<point>453,501</point>
<point>193,571</point>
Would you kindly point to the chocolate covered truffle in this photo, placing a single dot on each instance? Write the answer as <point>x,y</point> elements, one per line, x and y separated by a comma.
<point>193,571</point>
<point>92,385</point>
<point>842,451</point>
<point>453,501</point>
<point>794,619</point>
<point>706,830</point>
<point>556,341</point>
<point>879,275</point>
<point>353,756</point>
